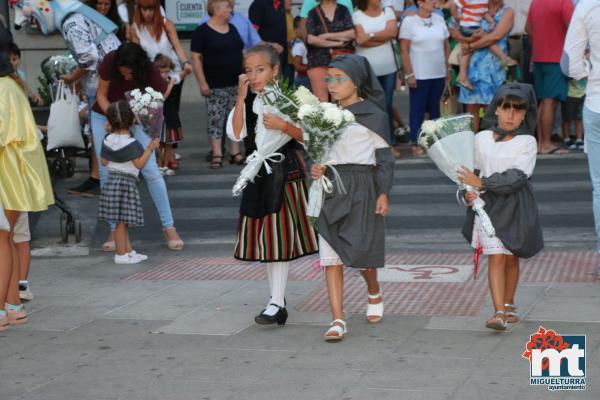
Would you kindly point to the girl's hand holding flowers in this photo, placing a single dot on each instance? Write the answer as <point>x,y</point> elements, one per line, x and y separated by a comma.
<point>470,196</point>
<point>154,144</point>
<point>272,121</point>
<point>317,171</point>
<point>467,177</point>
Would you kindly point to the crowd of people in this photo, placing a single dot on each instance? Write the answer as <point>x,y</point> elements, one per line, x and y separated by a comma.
<point>356,55</point>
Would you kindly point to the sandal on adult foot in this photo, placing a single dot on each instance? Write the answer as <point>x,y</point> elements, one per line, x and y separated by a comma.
<point>336,332</point>
<point>4,325</point>
<point>512,316</point>
<point>375,311</point>
<point>109,246</point>
<point>173,244</point>
<point>216,162</point>
<point>237,158</point>
<point>497,322</point>
<point>16,317</point>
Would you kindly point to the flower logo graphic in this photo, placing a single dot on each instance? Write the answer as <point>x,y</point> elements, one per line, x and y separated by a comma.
<point>545,339</point>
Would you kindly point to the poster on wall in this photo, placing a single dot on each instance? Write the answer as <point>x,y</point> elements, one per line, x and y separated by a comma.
<point>186,14</point>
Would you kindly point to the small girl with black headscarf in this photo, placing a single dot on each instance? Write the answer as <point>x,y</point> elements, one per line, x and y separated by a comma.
<point>351,225</point>
<point>505,157</point>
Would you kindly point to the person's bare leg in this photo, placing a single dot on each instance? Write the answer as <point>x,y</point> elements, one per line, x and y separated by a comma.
<point>370,277</point>
<point>497,281</point>
<point>6,261</point>
<point>168,154</point>
<point>12,296</point>
<point>579,129</point>
<point>24,254</point>
<point>128,248</point>
<point>565,129</point>
<point>510,289</point>
<point>545,124</point>
<point>474,109</point>
<point>121,239</point>
<point>334,275</point>
<point>464,70</point>
<point>504,58</point>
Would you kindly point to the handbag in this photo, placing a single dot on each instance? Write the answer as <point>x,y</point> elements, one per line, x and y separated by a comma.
<point>334,52</point>
<point>64,127</point>
<point>448,102</point>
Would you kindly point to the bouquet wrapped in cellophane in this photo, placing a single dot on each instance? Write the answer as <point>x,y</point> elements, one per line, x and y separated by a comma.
<point>283,101</point>
<point>322,124</point>
<point>450,143</point>
<point>147,106</point>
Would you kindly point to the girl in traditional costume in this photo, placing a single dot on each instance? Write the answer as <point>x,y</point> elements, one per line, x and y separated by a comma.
<point>273,227</point>
<point>505,157</point>
<point>351,225</point>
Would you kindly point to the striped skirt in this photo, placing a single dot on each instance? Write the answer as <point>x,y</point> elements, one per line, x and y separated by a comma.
<point>282,236</point>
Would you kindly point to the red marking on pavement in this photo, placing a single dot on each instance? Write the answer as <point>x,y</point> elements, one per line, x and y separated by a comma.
<point>406,298</point>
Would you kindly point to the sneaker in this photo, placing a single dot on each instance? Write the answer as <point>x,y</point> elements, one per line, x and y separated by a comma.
<point>89,188</point>
<point>164,171</point>
<point>568,143</point>
<point>579,145</point>
<point>25,293</point>
<point>135,255</point>
<point>126,259</point>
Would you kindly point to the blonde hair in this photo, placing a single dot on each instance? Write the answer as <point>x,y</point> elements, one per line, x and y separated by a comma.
<point>210,5</point>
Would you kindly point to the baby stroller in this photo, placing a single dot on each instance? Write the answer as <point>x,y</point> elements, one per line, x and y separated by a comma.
<point>59,159</point>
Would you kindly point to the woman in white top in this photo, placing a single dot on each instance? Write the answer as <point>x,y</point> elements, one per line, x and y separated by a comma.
<point>351,225</point>
<point>425,50</point>
<point>157,35</point>
<point>505,156</point>
<point>376,29</point>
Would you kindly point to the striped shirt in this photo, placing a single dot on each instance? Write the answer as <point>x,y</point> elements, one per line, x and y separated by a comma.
<point>471,12</point>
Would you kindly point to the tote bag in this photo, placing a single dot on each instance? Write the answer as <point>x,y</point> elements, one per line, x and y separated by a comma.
<point>64,127</point>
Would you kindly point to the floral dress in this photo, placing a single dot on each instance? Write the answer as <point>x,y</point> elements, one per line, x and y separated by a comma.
<point>486,72</point>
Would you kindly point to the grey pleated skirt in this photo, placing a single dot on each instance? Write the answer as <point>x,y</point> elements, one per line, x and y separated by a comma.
<point>120,200</point>
<point>348,222</point>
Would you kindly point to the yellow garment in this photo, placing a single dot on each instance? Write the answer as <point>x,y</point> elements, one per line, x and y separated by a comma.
<point>24,179</point>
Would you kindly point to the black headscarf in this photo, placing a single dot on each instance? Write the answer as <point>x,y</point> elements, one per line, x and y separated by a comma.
<point>5,39</point>
<point>522,90</point>
<point>371,111</point>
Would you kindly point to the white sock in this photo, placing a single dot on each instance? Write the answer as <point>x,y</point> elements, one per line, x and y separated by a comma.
<point>279,274</point>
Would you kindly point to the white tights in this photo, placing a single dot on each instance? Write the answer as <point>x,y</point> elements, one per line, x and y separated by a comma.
<point>277,273</point>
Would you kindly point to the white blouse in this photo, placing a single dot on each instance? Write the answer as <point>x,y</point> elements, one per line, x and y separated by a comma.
<point>356,145</point>
<point>154,47</point>
<point>262,135</point>
<point>491,157</point>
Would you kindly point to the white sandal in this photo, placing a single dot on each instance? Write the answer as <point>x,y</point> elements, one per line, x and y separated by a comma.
<point>340,331</point>
<point>375,310</point>
<point>496,322</point>
<point>512,317</point>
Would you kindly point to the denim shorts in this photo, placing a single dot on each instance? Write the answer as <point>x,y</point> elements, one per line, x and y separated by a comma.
<point>549,81</point>
<point>468,31</point>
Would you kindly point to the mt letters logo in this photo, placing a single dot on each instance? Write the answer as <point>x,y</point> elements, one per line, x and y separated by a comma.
<point>556,361</point>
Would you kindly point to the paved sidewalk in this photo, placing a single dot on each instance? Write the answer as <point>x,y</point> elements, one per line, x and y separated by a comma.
<point>180,326</point>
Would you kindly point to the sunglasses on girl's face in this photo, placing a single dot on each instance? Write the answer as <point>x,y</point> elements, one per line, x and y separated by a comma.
<point>330,80</point>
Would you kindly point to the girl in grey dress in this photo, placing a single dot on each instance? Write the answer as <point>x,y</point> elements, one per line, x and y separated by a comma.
<point>351,225</point>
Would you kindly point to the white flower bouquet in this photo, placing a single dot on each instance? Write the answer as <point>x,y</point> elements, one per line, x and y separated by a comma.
<point>322,124</point>
<point>450,143</point>
<point>147,106</point>
<point>282,100</point>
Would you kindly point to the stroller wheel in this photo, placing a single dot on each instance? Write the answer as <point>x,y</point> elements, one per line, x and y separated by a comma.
<point>64,228</point>
<point>77,223</point>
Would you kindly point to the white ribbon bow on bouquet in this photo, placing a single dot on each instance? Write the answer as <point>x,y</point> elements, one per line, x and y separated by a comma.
<point>321,186</point>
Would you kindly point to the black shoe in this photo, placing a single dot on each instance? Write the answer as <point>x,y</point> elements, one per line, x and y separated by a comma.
<point>279,318</point>
<point>89,188</point>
